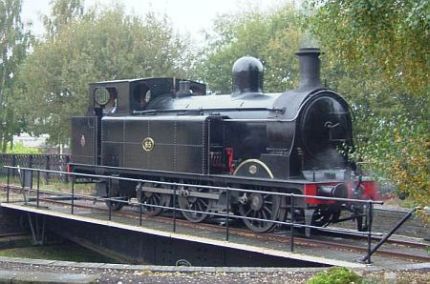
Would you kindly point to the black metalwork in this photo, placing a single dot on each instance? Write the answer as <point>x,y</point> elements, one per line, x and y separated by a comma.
<point>110,201</point>
<point>30,165</point>
<point>176,125</point>
<point>169,129</point>
<point>371,250</point>
<point>369,230</point>
<point>140,214</point>
<point>8,185</point>
<point>38,191</point>
<point>309,68</point>
<point>73,195</point>
<point>292,222</point>
<point>174,207</point>
<point>23,179</point>
<point>247,76</point>
<point>227,215</point>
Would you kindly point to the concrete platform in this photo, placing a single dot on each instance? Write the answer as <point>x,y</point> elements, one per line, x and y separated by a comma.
<point>45,277</point>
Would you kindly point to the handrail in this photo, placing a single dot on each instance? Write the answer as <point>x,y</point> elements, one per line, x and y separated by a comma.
<point>389,234</point>
<point>379,202</point>
<point>227,215</point>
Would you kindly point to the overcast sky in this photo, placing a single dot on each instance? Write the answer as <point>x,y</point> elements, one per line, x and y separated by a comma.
<point>188,16</point>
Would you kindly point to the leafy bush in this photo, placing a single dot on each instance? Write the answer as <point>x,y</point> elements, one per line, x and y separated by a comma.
<point>336,275</point>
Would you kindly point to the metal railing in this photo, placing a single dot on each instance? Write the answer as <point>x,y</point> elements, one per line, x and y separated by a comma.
<point>27,175</point>
<point>55,163</point>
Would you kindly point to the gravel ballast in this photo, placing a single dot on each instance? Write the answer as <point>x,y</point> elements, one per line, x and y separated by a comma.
<point>18,270</point>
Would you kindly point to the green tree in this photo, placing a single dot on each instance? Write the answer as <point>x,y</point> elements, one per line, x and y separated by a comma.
<point>394,34</point>
<point>14,41</point>
<point>378,53</point>
<point>99,45</point>
<point>63,13</point>
<point>272,36</point>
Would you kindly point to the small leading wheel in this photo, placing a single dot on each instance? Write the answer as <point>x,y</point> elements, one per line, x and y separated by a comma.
<point>199,206</point>
<point>153,199</point>
<point>260,206</point>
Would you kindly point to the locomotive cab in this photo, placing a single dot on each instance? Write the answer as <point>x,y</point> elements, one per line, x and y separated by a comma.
<point>134,97</point>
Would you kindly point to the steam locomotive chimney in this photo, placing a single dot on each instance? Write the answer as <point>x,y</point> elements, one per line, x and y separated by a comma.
<point>309,68</point>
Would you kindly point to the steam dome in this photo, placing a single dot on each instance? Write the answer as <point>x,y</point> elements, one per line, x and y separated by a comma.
<point>247,75</point>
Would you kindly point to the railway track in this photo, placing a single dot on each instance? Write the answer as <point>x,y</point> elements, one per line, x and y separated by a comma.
<point>279,236</point>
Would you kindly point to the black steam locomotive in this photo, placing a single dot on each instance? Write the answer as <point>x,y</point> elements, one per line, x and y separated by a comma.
<point>169,130</point>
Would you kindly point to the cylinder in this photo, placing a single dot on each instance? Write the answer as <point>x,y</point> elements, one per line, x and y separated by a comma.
<point>339,191</point>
